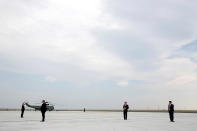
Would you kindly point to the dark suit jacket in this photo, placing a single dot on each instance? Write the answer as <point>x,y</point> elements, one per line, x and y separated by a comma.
<point>44,107</point>
<point>23,108</point>
<point>171,108</point>
<point>125,108</point>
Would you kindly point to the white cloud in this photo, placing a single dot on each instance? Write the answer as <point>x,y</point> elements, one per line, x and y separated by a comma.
<point>90,41</point>
<point>123,83</point>
<point>172,68</point>
<point>50,79</point>
<point>182,80</point>
<point>58,33</point>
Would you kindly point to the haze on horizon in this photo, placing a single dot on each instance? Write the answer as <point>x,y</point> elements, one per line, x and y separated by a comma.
<point>98,53</point>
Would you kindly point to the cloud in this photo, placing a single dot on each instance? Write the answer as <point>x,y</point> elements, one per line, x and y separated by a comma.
<point>102,40</point>
<point>182,80</point>
<point>50,79</point>
<point>107,47</point>
<point>50,34</point>
<point>188,50</point>
<point>190,47</point>
<point>123,83</point>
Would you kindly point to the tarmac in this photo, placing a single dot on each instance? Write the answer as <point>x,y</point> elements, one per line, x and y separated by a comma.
<point>96,121</point>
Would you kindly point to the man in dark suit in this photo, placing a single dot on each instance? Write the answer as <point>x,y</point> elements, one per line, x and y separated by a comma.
<point>125,110</point>
<point>171,111</point>
<point>43,110</point>
<point>22,110</point>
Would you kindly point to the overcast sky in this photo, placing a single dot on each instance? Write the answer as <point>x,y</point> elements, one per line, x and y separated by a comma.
<point>98,53</point>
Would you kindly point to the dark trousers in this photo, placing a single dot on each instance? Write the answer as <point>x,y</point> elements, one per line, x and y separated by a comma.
<point>171,114</point>
<point>43,115</point>
<point>125,115</point>
<point>22,112</point>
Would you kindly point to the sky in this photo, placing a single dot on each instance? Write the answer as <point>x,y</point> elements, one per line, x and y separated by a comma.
<point>98,53</point>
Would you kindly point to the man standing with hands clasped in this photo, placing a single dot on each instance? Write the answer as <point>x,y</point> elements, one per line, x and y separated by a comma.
<point>125,110</point>
<point>171,111</point>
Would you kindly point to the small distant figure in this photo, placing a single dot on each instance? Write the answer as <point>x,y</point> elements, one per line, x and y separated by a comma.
<point>171,111</point>
<point>22,110</point>
<point>43,110</point>
<point>84,110</point>
<point>125,110</point>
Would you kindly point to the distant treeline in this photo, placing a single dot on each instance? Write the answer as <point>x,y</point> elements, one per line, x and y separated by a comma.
<point>9,109</point>
<point>136,110</point>
<point>106,110</point>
